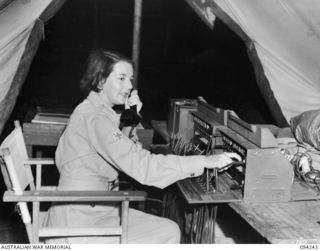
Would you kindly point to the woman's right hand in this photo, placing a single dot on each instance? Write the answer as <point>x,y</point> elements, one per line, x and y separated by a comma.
<point>221,160</point>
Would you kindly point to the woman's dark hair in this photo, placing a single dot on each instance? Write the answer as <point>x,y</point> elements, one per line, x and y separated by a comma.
<point>100,65</point>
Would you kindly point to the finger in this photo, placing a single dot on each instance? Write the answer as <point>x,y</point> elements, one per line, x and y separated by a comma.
<point>134,93</point>
<point>133,101</point>
<point>126,103</point>
<point>233,156</point>
<point>217,161</point>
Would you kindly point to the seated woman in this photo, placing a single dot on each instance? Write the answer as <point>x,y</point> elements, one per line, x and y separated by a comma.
<point>92,151</point>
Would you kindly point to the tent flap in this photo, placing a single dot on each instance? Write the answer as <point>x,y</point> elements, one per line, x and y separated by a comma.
<point>20,34</point>
<point>286,38</point>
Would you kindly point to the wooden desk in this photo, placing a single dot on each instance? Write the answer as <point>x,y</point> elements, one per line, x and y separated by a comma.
<point>37,134</point>
<point>40,134</point>
<point>287,222</point>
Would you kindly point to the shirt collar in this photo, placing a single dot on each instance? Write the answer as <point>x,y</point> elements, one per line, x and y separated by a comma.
<point>97,101</point>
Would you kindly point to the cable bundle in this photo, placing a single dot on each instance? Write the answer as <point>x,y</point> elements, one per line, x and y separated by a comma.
<point>311,177</point>
<point>203,225</point>
<point>305,172</point>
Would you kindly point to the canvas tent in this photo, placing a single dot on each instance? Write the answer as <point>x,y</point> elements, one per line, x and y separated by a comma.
<point>283,42</point>
<point>282,38</point>
<point>21,30</point>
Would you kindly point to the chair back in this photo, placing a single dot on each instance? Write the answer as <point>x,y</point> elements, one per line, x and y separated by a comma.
<point>14,152</point>
<point>16,174</point>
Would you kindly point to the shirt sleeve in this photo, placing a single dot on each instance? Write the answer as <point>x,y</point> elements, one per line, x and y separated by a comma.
<point>147,168</point>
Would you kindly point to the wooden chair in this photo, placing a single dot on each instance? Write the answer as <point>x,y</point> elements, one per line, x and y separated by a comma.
<point>18,177</point>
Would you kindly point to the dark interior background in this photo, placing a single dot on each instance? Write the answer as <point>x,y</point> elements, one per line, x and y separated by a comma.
<point>180,57</point>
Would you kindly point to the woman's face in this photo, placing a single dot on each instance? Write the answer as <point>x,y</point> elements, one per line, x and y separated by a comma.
<point>117,86</point>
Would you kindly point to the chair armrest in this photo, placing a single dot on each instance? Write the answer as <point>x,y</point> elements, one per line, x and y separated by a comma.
<point>49,188</point>
<point>40,161</point>
<point>74,196</point>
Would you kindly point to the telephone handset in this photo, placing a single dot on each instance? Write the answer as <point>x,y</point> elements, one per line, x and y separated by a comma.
<point>134,109</point>
<point>130,117</point>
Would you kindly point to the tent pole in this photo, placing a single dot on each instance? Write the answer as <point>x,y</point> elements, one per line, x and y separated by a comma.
<point>136,39</point>
<point>95,24</point>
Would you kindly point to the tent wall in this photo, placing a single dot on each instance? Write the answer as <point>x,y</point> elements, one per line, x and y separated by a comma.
<point>19,47</point>
<point>207,10</point>
<point>7,104</point>
<point>283,37</point>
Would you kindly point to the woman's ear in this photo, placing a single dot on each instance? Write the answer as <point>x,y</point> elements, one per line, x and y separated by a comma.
<point>101,83</point>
